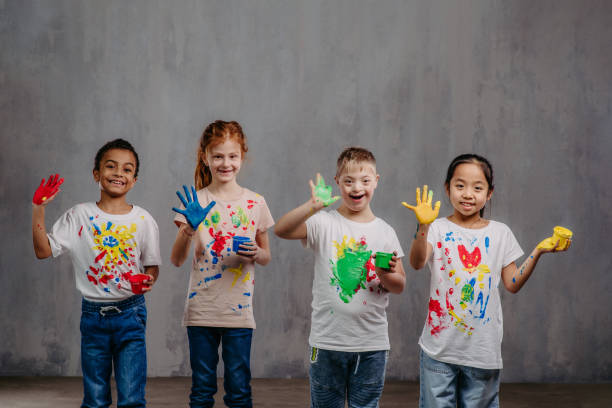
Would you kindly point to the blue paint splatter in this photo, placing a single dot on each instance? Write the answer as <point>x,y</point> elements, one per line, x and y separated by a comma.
<point>107,290</point>
<point>247,293</point>
<point>487,242</point>
<point>212,278</point>
<point>108,225</point>
<point>449,237</point>
<point>192,294</point>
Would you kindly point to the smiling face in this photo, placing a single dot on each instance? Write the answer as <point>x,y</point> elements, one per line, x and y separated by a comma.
<point>116,172</point>
<point>468,190</point>
<point>357,182</point>
<point>224,160</point>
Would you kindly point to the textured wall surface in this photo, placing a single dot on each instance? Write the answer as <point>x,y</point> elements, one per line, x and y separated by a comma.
<point>527,84</point>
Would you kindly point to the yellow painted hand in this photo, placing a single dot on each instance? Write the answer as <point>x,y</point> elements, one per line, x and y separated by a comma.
<point>560,241</point>
<point>423,210</point>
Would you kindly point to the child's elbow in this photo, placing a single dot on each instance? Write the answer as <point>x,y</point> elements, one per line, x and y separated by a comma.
<point>42,254</point>
<point>176,261</point>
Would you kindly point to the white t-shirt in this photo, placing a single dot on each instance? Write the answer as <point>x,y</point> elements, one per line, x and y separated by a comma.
<point>348,302</point>
<point>106,248</point>
<point>464,323</point>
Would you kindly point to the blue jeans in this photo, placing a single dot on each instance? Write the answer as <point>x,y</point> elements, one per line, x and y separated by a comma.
<point>113,334</point>
<point>204,356</point>
<point>336,376</point>
<point>452,385</point>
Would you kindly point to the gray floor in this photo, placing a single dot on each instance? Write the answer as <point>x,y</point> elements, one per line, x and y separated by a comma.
<point>52,392</point>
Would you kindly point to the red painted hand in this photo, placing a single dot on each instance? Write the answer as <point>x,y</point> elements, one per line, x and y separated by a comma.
<point>45,192</point>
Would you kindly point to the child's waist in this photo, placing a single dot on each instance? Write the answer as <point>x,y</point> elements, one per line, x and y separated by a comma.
<point>110,308</point>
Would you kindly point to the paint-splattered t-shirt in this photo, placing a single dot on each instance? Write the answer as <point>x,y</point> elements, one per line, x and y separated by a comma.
<point>464,320</point>
<point>348,301</point>
<point>106,248</point>
<point>221,285</point>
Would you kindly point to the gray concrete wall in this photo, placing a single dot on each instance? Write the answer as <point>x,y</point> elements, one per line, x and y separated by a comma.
<point>527,84</point>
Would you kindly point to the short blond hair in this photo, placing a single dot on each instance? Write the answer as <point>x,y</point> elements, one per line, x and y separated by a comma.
<point>354,154</point>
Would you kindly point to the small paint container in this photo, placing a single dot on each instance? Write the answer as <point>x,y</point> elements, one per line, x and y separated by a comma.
<point>137,282</point>
<point>239,240</point>
<point>563,235</point>
<point>382,259</point>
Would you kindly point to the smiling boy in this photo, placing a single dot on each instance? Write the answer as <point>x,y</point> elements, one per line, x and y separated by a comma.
<point>349,336</point>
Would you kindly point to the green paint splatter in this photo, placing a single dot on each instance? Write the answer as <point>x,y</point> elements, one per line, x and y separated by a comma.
<point>215,218</point>
<point>240,218</point>
<point>467,293</point>
<point>350,273</point>
<point>324,193</point>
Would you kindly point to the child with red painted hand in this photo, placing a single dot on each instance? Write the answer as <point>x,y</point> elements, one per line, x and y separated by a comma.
<point>348,338</point>
<point>109,242</point>
<point>219,304</point>
<point>469,256</point>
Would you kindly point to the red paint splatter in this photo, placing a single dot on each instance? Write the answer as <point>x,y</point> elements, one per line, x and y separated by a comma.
<point>446,251</point>
<point>94,270</point>
<point>81,230</point>
<point>469,260</point>
<point>100,256</point>
<point>439,245</point>
<point>436,309</point>
<point>105,278</point>
<point>220,240</point>
<point>92,279</point>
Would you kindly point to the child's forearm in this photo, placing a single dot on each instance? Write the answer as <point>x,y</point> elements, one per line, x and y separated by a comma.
<point>292,225</point>
<point>393,282</point>
<point>42,248</point>
<point>514,278</point>
<point>182,243</point>
<point>418,248</point>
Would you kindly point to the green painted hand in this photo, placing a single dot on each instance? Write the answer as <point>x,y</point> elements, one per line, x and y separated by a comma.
<point>322,193</point>
<point>423,210</point>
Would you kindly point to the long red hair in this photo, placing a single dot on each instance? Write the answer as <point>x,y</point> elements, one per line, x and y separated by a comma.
<point>217,132</point>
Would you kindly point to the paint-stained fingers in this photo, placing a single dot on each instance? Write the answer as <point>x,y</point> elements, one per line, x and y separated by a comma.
<point>425,194</point>
<point>180,196</point>
<point>418,196</point>
<point>429,198</point>
<point>187,195</point>
<point>194,195</point>
<point>437,207</point>
<point>405,204</point>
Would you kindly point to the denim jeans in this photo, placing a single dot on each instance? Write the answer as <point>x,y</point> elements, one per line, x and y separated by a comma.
<point>113,334</point>
<point>204,356</point>
<point>336,376</point>
<point>452,385</point>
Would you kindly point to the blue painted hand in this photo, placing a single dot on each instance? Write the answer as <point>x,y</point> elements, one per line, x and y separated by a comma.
<point>193,212</point>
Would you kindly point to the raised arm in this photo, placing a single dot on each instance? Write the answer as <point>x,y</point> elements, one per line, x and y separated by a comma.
<point>293,224</point>
<point>420,249</point>
<point>194,214</point>
<point>44,194</point>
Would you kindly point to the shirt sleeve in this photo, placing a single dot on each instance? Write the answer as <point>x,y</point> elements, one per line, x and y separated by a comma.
<point>150,253</point>
<point>313,230</point>
<point>392,243</point>
<point>513,250</point>
<point>61,233</point>
<point>264,219</point>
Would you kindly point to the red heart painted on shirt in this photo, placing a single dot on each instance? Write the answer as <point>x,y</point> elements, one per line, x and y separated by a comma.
<point>469,260</point>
